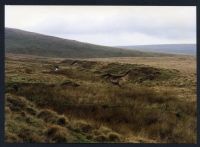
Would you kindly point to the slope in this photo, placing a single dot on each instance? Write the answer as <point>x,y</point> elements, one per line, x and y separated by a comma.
<point>187,49</point>
<point>23,42</point>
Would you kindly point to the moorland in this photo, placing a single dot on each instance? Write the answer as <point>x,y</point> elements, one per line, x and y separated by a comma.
<point>143,98</point>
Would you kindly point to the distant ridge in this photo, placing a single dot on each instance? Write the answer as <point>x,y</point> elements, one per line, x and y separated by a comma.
<point>23,42</point>
<point>186,49</point>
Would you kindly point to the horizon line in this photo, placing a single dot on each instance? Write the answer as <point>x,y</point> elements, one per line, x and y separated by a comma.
<point>100,44</point>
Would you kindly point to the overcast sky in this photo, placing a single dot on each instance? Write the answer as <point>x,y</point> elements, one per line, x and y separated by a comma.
<point>108,25</point>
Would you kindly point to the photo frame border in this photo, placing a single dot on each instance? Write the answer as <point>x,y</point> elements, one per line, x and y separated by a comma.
<point>92,3</point>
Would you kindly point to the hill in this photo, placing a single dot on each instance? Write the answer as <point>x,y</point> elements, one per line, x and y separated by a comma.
<point>187,49</point>
<point>23,42</point>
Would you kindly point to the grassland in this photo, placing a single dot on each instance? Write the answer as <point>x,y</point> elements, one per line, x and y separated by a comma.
<point>112,100</point>
<point>29,43</point>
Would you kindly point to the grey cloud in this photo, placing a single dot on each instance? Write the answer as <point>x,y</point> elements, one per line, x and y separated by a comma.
<point>116,25</point>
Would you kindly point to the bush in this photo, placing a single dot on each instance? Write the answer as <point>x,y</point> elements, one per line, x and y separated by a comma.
<point>7,110</point>
<point>12,138</point>
<point>83,126</point>
<point>62,120</point>
<point>58,134</point>
<point>48,115</point>
<point>31,111</point>
<point>114,137</point>
<point>101,138</point>
<point>16,103</point>
<point>28,136</point>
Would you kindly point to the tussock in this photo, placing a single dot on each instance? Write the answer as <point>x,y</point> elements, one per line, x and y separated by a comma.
<point>48,115</point>
<point>154,104</point>
<point>58,134</point>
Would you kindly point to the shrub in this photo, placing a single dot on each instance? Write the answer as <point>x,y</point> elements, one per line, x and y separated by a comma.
<point>58,134</point>
<point>101,138</point>
<point>27,135</point>
<point>48,115</point>
<point>12,138</point>
<point>16,103</point>
<point>114,137</point>
<point>83,126</point>
<point>31,111</point>
<point>62,120</point>
<point>104,130</point>
<point>7,110</point>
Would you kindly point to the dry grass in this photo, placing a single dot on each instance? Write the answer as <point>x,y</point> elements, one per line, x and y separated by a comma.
<point>149,104</point>
<point>182,63</point>
<point>59,134</point>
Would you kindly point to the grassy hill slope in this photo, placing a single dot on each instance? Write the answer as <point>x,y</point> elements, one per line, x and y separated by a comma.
<point>187,49</point>
<point>23,42</point>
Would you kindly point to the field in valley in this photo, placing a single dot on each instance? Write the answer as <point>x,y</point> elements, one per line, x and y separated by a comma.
<point>100,100</point>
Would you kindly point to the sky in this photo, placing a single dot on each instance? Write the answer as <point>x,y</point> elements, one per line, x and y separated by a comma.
<point>108,25</point>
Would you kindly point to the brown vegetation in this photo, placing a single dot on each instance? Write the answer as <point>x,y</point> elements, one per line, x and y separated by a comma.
<point>80,103</point>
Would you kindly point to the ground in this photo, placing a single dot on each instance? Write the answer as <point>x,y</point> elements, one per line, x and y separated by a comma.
<point>136,99</point>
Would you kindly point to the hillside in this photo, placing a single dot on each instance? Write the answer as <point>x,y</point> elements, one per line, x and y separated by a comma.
<point>186,49</point>
<point>23,42</point>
